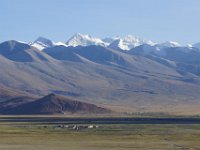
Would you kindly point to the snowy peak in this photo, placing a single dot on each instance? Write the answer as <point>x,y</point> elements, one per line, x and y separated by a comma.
<point>42,43</point>
<point>169,44</point>
<point>133,39</point>
<point>119,44</point>
<point>128,42</point>
<point>45,41</point>
<point>84,40</point>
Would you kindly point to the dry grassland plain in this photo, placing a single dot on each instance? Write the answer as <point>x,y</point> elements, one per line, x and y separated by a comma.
<point>44,136</point>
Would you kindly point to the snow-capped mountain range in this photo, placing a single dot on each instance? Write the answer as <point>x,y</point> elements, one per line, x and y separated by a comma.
<point>118,43</point>
<point>109,70</point>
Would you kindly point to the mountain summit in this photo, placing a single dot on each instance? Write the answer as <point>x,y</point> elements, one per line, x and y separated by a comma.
<point>84,40</point>
<point>128,42</point>
<point>42,43</point>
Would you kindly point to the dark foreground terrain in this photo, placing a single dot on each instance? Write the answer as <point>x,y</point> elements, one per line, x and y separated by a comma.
<point>47,133</point>
<point>99,120</point>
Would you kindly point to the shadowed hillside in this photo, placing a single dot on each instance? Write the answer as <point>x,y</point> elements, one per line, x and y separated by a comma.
<point>54,104</point>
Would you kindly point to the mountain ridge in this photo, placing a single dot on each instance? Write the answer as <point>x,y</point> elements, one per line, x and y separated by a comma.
<point>118,42</point>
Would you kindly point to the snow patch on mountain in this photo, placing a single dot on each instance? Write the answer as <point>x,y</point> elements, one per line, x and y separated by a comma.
<point>169,44</point>
<point>22,42</point>
<point>60,44</point>
<point>84,40</point>
<point>42,43</point>
<point>128,42</point>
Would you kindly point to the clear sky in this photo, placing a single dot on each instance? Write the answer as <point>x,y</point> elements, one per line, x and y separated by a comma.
<point>157,20</point>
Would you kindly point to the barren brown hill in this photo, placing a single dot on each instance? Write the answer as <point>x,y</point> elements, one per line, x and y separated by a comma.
<point>55,104</point>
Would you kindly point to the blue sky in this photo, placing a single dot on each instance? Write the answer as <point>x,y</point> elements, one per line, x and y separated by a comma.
<point>158,20</point>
